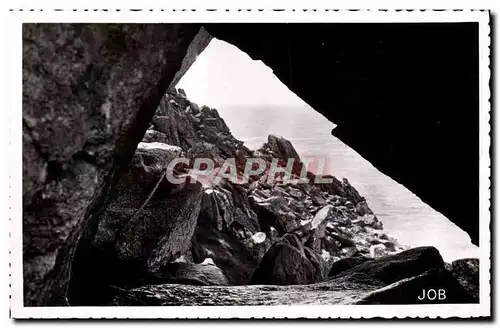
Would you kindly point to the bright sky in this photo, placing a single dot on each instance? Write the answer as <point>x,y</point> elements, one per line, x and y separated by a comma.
<point>241,80</point>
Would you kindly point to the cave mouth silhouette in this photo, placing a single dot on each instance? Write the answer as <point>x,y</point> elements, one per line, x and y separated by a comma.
<point>405,96</point>
<point>255,103</point>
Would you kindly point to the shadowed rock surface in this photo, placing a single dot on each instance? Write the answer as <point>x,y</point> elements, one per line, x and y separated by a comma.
<point>146,223</point>
<point>346,264</point>
<point>409,290</point>
<point>287,263</point>
<point>392,268</point>
<point>157,230</point>
<point>89,92</point>
<point>256,232</point>
<point>466,271</point>
<point>238,222</point>
<point>189,274</point>
<point>357,286</point>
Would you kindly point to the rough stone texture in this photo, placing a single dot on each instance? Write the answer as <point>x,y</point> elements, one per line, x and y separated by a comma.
<point>199,43</point>
<point>89,92</point>
<point>409,290</point>
<point>284,150</point>
<point>353,287</point>
<point>288,263</point>
<point>346,264</point>
<point>163,228</point>
<point>189,274</point>
<point>332,219</point>
<point>466,271</point>
<point>390,269</point>
<point>124,244</point>
<point>220,237</point>
<point>182,295</point>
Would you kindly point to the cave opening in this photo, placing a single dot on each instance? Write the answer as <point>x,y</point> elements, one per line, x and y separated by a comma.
<point>254,103</point>
<point>391,88</point>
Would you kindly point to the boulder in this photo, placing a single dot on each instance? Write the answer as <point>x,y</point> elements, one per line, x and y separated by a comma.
<point>147,223</point>
<point>390,269</point>
<point>229,253</point>
<point>346,264</point>
<point>203,274</point>
<point>411,290</point>
<point>89,92</point>
<point>466,271</point>
<point>228,232</point>
<point>147,218</point>
<point>155,136</point>
<point>275,212</point>
<point>177,126</point>
<point>287,262</point>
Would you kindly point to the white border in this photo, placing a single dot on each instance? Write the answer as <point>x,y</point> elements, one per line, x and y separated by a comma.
<point>13,48</point>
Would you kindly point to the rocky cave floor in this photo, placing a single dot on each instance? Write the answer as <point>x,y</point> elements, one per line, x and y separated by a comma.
<point>197,243</point>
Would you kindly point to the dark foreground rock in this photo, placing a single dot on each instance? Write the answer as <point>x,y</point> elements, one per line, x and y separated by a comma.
<point>288,262</point>
<point>431,287</point>
<point>203,274</point>
<point>89,93</point>
<point>466,271</point>
<point>177,295</point>
<point>147,222</point>
<point>392,268</point>
<point>238,222</point>
<point>147,218</point>
<point>346,264</point>
<point>257,232</point>
<point>373,282</point>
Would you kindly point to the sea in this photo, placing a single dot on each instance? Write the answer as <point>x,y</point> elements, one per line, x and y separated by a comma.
<point>404,216</point>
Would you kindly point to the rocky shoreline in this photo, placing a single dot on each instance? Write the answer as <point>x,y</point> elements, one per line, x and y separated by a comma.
<point>158,243</point>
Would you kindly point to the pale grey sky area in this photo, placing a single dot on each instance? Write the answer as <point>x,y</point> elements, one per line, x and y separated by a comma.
<point>235,79</point>
<point>254,103</point>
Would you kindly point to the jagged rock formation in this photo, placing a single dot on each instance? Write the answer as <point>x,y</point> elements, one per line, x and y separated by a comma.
<point>320,239</point>
<point>288,262</point>
<point>154,230</point>
<point>410,290</point>
<point>356,286</point>
<point>466,271</point>
<point>239,222</point>
<point>89,92</point>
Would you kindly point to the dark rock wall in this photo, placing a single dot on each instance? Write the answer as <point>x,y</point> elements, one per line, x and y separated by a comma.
<point>199,43</point>
<point>89,92</point>
<point>404,96</point>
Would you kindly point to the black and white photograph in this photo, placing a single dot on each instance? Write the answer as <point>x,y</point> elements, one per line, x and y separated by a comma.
<point>265,164</point>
